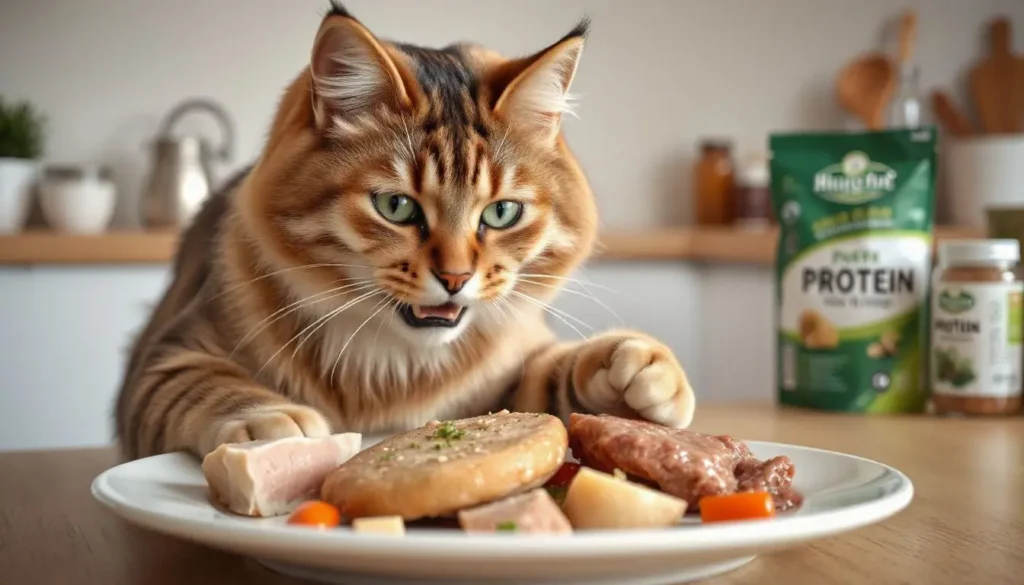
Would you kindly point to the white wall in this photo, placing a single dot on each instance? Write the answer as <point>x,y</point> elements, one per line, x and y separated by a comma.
<point>657,76</point>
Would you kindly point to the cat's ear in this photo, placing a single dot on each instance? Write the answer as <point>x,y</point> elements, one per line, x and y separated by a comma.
<point>537,96</point>
<point>352,72</point>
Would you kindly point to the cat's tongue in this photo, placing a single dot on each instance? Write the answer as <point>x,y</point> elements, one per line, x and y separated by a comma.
<point>447,311</point>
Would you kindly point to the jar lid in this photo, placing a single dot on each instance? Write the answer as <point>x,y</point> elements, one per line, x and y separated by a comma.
<point>754,172</point>
<point>979,251</point>
<point>715,143</point>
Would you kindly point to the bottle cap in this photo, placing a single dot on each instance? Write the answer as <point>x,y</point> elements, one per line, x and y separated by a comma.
<point>979,251</point>
<point>754,172</point>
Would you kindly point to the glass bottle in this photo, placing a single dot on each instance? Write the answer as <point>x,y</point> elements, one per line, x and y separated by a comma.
<point>713,182</point>
<point>905,109</point>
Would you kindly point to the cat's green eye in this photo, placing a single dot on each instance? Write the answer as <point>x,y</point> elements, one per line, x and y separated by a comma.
<point>397,208</point>
<point>501,214</point>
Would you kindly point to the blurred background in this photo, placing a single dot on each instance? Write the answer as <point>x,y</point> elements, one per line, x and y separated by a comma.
<point>667,87</point>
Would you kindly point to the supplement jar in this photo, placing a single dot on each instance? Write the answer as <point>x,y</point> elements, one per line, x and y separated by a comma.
<point>976,328</point>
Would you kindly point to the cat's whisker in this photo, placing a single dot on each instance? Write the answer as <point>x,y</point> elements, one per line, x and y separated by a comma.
<point>586,295</point>
<point>235,286</point>
<point>354,333</point>
<point>323,320</point>
<point>377,334</point>
<point>297,305</point>
<point>319,321</point>
<point>550,310</point>
<point>511,308</point>
<point>580,282</point>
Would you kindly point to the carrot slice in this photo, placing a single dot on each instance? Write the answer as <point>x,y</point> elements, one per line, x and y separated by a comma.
<point>740,506</point>
<point>316,513</point>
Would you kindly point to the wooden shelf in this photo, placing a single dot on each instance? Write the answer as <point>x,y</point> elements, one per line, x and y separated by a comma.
<point>128,247</point>
<point>715,245</point>
<point>693,244</point>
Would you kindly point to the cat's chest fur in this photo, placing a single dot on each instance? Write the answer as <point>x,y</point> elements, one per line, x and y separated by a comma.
<point>383,383</point>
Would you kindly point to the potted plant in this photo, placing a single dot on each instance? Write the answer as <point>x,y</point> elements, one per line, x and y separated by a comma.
<point>21,144</point>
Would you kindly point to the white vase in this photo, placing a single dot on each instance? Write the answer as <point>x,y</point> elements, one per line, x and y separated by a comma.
<point>77,199</point>
<point>17,176</point>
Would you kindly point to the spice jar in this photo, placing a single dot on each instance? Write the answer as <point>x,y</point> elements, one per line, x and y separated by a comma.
<point>713,182</point>
<point>752,201</point>
<point>976,328</point>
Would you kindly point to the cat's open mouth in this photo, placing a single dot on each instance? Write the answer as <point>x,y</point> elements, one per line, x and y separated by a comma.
<point>446,315</point>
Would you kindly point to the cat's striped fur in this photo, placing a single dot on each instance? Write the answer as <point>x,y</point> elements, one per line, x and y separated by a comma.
<point>288,310</point>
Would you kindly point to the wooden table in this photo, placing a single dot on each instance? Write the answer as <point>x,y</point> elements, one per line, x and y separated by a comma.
<point>966,524</point>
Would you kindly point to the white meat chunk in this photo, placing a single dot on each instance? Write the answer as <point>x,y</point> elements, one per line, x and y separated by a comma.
<point>530,512</point>
<point>271,478</point>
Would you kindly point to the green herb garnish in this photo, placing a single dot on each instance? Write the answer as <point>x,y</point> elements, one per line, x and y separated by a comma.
<point>414,445</point>
<point>448,432</point>
<point>509,526</point>
<point>437,447</point>
<point>387,457</point>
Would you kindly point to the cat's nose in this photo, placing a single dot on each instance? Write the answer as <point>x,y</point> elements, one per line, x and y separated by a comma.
<point>452,282</point>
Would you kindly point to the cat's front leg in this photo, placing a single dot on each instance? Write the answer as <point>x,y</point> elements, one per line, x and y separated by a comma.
<point>619,372</point>
<point>192,401</point>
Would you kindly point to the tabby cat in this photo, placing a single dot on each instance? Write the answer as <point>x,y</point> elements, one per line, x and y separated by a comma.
<point>387,261</point>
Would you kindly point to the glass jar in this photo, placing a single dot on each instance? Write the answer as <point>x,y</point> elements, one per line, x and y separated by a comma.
<point>753,199</point>
<point>976,328</point>
<point>713,182</point>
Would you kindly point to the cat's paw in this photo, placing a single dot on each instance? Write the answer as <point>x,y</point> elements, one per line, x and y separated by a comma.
<point>276,421</point>
<point>632,374</point>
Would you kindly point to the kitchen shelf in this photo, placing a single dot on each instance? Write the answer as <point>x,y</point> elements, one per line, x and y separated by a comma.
<point>722,245</point>
<point>124,247</point>
<point>694,244</point>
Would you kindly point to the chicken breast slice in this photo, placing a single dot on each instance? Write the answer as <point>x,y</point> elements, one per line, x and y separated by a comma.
<point>271,478</point>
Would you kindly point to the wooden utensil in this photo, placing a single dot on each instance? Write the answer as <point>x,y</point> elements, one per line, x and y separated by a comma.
<point>908,36</point>
<point>865,86</point>
<point>953,120</point>
<point>1018,97</point>
<point>992,82</point>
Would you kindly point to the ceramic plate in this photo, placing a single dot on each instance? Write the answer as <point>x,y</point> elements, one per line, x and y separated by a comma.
<point>168,494</point>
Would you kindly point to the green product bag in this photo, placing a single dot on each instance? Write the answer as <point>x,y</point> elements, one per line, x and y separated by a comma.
<point>853,268</point>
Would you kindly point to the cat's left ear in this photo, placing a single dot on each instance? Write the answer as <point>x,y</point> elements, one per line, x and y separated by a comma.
<point>352,72</point>
<point>538,95</point>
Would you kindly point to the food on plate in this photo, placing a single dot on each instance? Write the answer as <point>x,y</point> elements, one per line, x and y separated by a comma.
<point>682,463</point>
<point>315,513</point>
<point>392,525</point>
<point>597,500</point>
<point>444,467</point>
<point>559,482</point>
<point>532,512</point>
<point>271,478</point>
<point>738,506</point>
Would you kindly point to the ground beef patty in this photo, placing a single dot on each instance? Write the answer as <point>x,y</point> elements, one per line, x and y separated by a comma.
<point>682,463</point>
<point>446,466</point>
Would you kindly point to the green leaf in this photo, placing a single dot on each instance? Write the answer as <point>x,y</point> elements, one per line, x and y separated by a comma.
<point>21,130</point>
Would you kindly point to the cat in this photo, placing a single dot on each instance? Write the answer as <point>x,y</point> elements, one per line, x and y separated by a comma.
<point>387,261</point>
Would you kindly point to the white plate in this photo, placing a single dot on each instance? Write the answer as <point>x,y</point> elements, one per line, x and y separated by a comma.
<point>168,494</point>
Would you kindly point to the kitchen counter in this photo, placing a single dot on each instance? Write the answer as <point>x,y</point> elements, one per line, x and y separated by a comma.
<point>965,525</point>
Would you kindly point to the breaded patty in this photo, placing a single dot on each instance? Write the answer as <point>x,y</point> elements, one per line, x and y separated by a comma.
<point>446,466</point>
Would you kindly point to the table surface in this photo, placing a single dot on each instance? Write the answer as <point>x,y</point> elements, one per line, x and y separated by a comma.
<point>965,525</point>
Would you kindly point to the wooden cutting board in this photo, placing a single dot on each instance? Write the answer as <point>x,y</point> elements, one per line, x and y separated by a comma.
<point>993,83</point>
